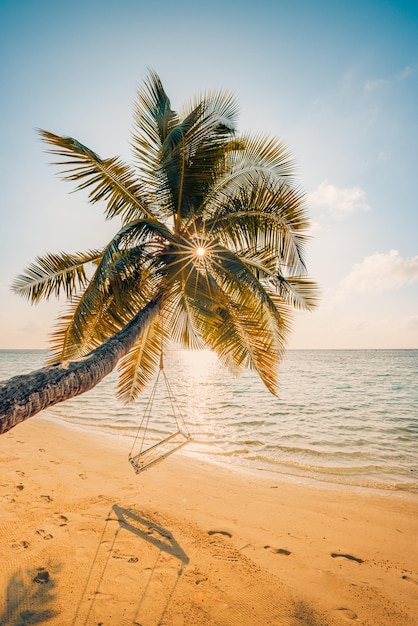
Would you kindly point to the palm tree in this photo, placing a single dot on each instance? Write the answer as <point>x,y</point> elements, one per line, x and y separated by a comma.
<point>209,253</point>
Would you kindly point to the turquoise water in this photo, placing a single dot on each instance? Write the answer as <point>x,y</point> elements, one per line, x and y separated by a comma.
<point>343,416</point>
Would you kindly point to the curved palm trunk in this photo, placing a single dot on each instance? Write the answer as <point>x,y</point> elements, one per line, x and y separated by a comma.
<point>24,396</point>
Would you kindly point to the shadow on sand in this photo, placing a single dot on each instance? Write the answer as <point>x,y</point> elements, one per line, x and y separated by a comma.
<point>149,531</point>
<point>28,595</point>
<point>157,570</point>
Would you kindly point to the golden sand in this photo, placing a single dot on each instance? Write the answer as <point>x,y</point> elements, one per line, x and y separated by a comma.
<point>83,540</point>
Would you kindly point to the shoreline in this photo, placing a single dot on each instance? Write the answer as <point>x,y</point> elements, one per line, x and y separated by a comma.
<point>344,432</point>
<point>197,542</point>
<point>322,479</point>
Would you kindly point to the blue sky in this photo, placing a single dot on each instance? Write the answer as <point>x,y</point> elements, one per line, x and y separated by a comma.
<point>336,81</point>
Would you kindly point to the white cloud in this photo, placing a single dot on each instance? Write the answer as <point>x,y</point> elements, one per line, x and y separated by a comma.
<point>341,202</point>
<point>407,71</point>
<point>384,155</point>
<point>377,83</point>
<point>381,272</point>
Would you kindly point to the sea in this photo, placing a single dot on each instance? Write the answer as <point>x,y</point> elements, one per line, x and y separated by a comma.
<point>347,417</point>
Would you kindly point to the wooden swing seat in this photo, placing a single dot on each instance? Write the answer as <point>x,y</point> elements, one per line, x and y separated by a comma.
<point>159,451</point>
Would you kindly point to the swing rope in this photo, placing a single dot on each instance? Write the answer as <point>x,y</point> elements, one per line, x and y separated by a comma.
<point>139,461</point>
<point>145,418</point>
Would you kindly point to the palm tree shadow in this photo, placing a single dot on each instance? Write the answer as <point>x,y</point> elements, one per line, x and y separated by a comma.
<point>28,595</point>
<point>146,530</point>
<point>305,615</point>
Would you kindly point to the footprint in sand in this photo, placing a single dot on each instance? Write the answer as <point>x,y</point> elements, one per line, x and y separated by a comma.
<point>278,550</point>
<point>43,534</point>
<point>350,557</point>
<point>221,549</point>
<point>20,487</point>
<point>46,498</point>
<point>83,476</point>
<point>195,576</point>
<point>411,580</point>
<point>60,519</point>
<point>126,557</point>
<point>20,473</point>
<point>224,533</point>
<point>347,613</point>
<point>42,576</point>
<point>20,545</point>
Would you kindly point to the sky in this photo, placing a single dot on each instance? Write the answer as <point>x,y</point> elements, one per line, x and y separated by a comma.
<point>336,81</point>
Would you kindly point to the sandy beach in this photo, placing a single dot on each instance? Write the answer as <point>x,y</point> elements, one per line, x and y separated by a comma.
<point>83,540</point>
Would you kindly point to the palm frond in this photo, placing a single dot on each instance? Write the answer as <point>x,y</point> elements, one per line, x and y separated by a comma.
<point>265,153</point>
<point>232,272</point>
<point>138,367</point>
<point>85,325</point>
<point>144,231</point>
<point>264,218</point>
<point>299,292</point>
<point>229,318</point>
<point>153,121</point>
<point>257,160</point>
<point>175,152</point>
<point>81,328</point>
<point>246,338</point>
<point>190,156</point>
<point>189,303</point>
<point>54,274</point>
<point>110,180</point>
<point>207,143</point>
<point>220,104</point>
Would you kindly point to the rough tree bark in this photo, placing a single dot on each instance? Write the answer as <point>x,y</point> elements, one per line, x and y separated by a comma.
<point>26,395</point>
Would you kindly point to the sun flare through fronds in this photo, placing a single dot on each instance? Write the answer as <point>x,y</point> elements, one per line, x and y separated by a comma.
<point>213,226</point>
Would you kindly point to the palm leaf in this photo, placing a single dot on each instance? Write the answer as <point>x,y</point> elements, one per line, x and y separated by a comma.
<point>244,337</point>
<point>54,274</point>
<point>258,160</point>
<point>175,152</point>
<point>191,150</point>
<point>264,219</point>
<point>299,292</point>
<point>80,329</point>
<point>230,270</point>
<point>189,306</point>
<point>153,121</point>
<point>138,367</point>
<point>109,179</point>
<point>263,153</point>
<point>217,104</point>
<point>85,325</point>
